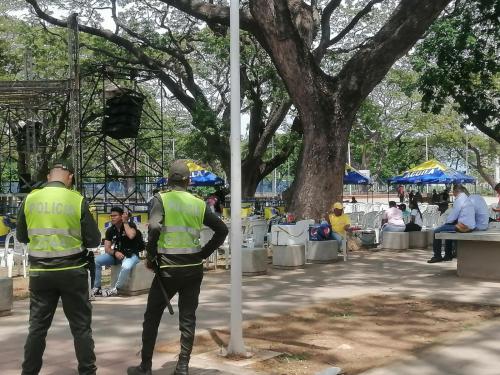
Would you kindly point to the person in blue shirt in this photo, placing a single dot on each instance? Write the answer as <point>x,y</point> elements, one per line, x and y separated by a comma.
<point>482,211</point>
<point>461,219</point>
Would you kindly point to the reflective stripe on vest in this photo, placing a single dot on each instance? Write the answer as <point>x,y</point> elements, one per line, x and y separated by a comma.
<point>55,254</point>
<point>183,220</point>
<point>50,231</point>
<point>173,229</point>
<point>53,217</point>
<point>178,251</point>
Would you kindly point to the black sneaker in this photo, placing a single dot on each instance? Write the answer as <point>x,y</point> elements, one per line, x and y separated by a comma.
<point>447,258</point>
<point>138,370</point>
<point>435,260</point>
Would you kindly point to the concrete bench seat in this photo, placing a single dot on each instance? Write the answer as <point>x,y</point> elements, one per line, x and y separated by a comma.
<point>139,281</point>
<point>322,251</point>
<point>418,240</point>
<point>478,253</point>
<point>6,295</point>
<point>254,261</point>
<point>289,256</point>
<point>395,240</point>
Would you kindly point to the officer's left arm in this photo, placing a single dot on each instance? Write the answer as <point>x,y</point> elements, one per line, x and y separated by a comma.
<point>91,236</point>
<point>220,233</point>
<point>22,226</point>
<point>154,226</point>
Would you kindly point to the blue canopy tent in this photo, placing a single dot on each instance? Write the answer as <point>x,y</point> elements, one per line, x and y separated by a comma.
<point>353,177</point>
<point>199,177</point>
<point>431,172</point>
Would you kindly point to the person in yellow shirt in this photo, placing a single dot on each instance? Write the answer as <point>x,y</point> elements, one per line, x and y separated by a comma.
<point>340,223</point>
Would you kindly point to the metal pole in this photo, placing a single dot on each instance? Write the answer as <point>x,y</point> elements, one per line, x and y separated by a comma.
<point>426,158</point>
<point>274,171</point>
<point>236,345</point>
<point>349,162</point>
<point>173,148</point>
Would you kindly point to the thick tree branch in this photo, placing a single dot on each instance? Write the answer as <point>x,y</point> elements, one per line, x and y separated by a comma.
<point>186,100</point>
<point>211,13</point>
<point>275,119</point>
<point>371,63</point>
<point>326,42</point>
<point>363,12</point>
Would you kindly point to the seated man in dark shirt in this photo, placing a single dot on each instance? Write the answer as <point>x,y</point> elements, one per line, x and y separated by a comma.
<point>122,246</point>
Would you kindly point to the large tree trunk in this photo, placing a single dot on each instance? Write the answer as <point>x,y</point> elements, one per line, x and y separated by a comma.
<point>319,182</point>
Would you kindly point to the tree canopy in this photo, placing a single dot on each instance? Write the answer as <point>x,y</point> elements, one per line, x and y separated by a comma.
<point>459,61</point>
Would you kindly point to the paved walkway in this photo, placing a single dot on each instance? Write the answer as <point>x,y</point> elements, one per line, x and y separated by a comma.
<point>117,321</point>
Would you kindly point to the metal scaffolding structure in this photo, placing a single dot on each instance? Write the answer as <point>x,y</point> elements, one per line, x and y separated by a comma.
<point>109,171</point>
<point>24,131</point>
<point>125,170</point>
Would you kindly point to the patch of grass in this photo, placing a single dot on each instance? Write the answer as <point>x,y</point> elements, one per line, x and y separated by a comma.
<point>342,314</point>
<point>294,357</point>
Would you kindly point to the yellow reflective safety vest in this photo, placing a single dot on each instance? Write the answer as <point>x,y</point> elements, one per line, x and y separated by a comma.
<point>183,220</point>
<point>53,219</point>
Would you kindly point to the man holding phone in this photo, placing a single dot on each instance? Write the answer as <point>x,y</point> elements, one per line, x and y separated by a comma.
<point>121,246</point>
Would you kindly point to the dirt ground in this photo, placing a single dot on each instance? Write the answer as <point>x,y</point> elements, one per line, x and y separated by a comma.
<point>353,334</point>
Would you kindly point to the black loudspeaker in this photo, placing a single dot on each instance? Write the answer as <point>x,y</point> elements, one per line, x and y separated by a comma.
<point>122,115</point>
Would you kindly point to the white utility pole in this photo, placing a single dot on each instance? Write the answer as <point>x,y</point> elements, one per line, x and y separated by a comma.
<point>236,345</point>
<point>275,192</point>
<point>426,159</point>
<point>349,162</point>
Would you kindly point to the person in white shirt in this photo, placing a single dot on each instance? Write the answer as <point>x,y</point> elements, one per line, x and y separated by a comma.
<point>481,210</point>
<point>461,219</point>
<point>392,220</point>
<point>416,220</point>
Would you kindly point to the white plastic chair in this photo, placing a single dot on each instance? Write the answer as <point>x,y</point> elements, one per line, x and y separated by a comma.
<point>17,249</point>
<point>205,235</point>
<point>255,233</point>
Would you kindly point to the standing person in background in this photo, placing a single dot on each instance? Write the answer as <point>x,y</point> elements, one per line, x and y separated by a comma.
<point>401,193</point>
<point>435,197</point>
<point>57,225</point>
<point>173,242</point>
<point>411,195</point>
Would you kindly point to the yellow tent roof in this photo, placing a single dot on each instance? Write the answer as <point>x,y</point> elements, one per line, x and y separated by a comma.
<point>429,164</point>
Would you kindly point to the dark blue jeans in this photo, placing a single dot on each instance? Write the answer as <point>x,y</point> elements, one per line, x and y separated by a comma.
<point>448,244</point>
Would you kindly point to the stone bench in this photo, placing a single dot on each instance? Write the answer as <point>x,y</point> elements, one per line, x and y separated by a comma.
<point>395,240</point>
<point>322,251</point>
<point>254,261</point>
<point>478,253</point>
<point>418,240</point>
<point>6,295</point>
<point>139,280</point>
<point>289,257</point>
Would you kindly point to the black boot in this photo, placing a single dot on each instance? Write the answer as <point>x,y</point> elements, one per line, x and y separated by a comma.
<point>182,365</point>
<point>138,370</point>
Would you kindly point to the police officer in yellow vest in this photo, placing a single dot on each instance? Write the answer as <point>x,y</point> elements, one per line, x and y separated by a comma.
<point>175,221</point>
<point>58,227</point>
